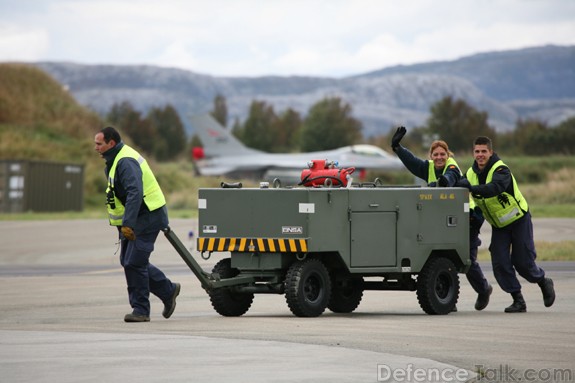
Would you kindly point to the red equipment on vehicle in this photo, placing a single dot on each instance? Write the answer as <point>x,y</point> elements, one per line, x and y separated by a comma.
<point>325,173</point>
<point>198,153</point>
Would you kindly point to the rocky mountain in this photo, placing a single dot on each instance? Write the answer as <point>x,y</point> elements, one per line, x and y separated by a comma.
<point>529,83</point>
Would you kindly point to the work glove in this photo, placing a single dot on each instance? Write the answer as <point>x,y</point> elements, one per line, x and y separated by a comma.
<point>464,183</point>
<point>399,133</point>
<point>442,181</point>
<point>128,233</point>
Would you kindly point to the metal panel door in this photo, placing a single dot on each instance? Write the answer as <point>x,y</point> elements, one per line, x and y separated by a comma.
<point>373,239</point>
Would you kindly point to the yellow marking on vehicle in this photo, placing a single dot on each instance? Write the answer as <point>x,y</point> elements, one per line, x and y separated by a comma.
<point>260,245</point>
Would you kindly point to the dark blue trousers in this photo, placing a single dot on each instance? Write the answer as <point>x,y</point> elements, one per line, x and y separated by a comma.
<point>141,276</point>
<point>475,274</point>
<point>513,250</point>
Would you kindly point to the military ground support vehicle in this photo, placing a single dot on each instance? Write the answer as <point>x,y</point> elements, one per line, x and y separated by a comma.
<point>322,247</point>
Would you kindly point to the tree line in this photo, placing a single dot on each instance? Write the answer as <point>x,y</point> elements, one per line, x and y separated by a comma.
<point>159,134</point>
<point>330,124</point>
<point>458,123</point>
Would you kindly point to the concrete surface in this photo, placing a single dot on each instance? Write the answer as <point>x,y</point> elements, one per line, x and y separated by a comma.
<point>63,298</point>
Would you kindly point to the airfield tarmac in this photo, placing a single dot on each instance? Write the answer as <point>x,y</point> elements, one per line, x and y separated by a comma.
<point>63,298</point>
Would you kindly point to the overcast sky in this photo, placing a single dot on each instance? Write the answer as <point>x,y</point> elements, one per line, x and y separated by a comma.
<point>331,38</point>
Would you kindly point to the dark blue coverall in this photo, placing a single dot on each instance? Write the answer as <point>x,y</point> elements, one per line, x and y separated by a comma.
<point>512,247</point>
<point>141,276</point>
<point>420,169</point>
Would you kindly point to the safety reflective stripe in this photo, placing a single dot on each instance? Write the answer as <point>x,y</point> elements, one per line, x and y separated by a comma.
<point>262,245</point>
<point>511,215</point>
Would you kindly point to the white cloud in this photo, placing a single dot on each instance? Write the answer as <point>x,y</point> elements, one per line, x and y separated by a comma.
<point>177,54</point>
<point>22,44</point>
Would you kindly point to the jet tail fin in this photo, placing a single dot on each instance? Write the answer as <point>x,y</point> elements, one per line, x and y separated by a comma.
<point>217,141</point>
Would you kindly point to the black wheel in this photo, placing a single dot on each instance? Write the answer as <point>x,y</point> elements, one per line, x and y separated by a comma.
<point>308,288</point>
<point>438,286</point>
<point>346,295</point>
<point>225,301</point>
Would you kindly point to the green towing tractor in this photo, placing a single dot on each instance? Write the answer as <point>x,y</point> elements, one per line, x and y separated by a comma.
<point>322,247</point>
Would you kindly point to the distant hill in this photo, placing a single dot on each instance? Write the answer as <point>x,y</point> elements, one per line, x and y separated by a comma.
<point>39,120</point>
<point>528,74</point>
<point>535,82</point>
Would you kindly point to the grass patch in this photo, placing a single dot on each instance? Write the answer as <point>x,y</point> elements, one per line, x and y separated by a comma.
<point>86,214</point>
<point>552,211</point>
<point>546,251</point>
<point>65,215</point>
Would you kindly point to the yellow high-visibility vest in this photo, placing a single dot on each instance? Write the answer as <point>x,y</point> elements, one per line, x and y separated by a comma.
<point>503,209</point>
<point>431,171</point>
<point>153,196</point>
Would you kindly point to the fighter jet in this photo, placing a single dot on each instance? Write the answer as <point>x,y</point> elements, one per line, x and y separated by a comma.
<point>224,155</point>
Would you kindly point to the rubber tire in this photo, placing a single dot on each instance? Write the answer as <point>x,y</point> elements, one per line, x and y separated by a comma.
<point>345,299</point>
<point>438,286</point>
<point>307,288</point>
<point>225,301</point>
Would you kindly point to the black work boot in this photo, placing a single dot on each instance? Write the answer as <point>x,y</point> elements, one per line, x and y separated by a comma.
<point>170,304</point>
<point>518,305</point>
<point>483,299</point>
<point>546,285</point>
<point>135,317</point>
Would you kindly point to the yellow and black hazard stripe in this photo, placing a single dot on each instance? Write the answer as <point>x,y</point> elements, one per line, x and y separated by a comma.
<point>253,245</point>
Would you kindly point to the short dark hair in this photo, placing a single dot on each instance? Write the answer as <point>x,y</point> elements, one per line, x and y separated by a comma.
<point>483,140</point>
<point>111,134</point>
